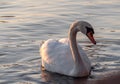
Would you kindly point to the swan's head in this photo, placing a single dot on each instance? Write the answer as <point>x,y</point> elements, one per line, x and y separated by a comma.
<point>86,29</point>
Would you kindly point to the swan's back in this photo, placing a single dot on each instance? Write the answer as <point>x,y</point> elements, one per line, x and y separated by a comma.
<point>56,56</point>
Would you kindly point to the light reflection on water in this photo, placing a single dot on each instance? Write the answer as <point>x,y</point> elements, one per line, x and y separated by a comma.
<point>24,24</point>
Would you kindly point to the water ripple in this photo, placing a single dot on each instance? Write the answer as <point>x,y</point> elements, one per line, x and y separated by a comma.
<point>24,24</point>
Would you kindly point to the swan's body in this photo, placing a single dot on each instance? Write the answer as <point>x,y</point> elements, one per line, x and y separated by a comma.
<point>65,56</point>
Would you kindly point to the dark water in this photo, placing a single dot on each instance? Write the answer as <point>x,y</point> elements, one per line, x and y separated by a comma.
<point>24,24</point>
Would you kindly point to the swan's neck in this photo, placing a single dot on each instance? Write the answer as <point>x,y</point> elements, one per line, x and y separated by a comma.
<point>74,48</point>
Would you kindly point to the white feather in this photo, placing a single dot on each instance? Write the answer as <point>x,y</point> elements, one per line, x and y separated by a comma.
<point>62,56</point>
<point>57,56</point>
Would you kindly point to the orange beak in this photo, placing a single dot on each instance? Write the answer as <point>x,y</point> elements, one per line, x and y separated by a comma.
<point>90,36</point>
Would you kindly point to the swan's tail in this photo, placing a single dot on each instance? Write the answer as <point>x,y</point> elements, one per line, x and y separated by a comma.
<point>40,46</point>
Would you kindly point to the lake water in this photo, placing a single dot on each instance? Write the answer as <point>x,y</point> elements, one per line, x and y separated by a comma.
<point>24,24</point>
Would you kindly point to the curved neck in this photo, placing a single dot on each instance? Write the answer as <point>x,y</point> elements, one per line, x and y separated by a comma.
<point>73,46</point>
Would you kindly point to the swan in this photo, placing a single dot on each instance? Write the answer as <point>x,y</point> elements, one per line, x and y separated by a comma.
<point>65,56</point>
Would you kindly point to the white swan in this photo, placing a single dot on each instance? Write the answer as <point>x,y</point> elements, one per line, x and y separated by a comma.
<point>64,56</point>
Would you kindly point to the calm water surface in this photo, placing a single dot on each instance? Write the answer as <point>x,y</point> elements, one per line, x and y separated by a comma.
<point>24,24</point>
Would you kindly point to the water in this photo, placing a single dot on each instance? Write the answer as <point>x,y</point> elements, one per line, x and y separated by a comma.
<point>24,24</point>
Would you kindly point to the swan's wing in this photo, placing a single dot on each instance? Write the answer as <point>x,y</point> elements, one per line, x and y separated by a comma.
<point>56,55</point>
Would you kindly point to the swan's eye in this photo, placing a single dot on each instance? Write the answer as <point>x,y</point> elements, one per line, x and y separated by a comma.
<point>89,30</point>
